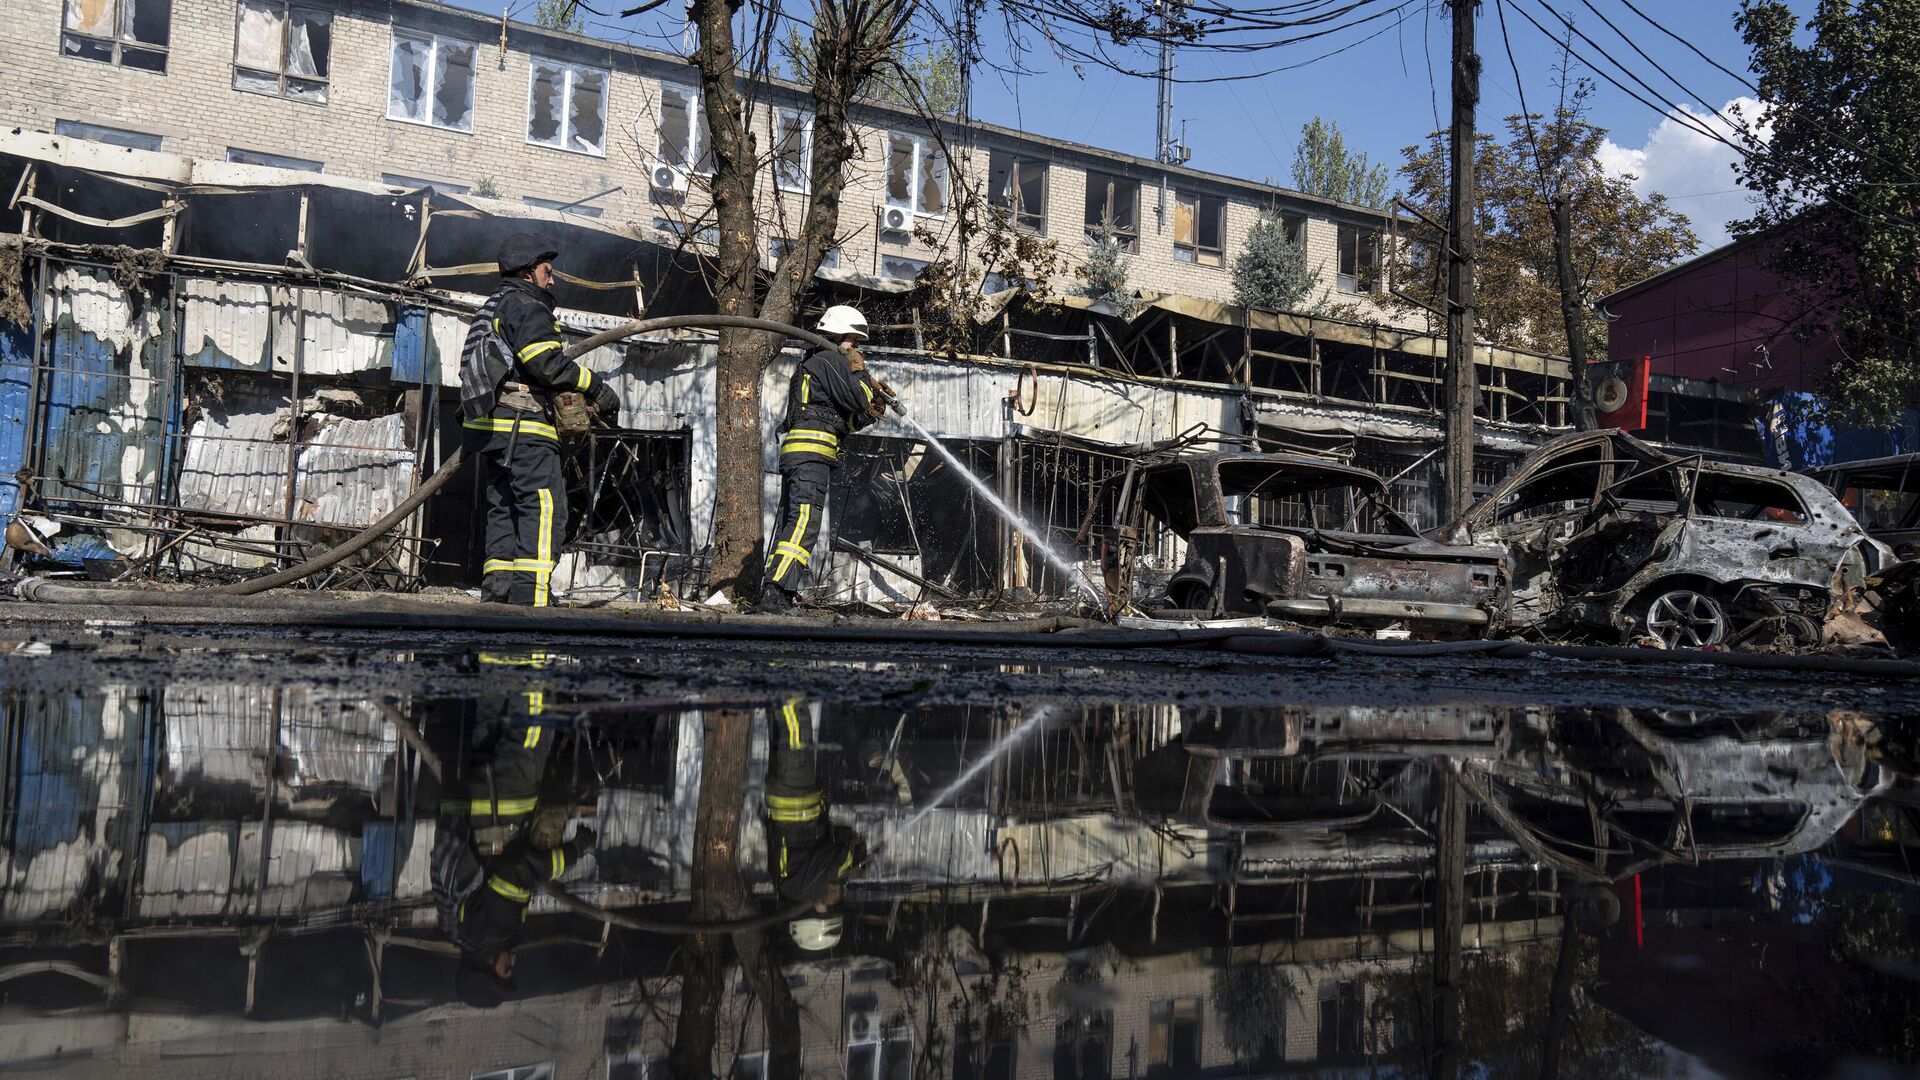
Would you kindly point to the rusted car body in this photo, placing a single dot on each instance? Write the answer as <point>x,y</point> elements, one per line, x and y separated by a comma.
<point>1884,494</point>
<point>1611,793</point>
<point>1308,540</point>
<point>1602,531</point>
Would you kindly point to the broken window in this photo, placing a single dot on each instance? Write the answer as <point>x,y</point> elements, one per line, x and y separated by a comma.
<point>415,183</point>
<point>792,149</point>
<point>684,140</point>
<point>780,246</point>
<point>282,50</point>
<point>574,208</point>
<point>1018,186</point>
<point>916,174</point>
<point>277,161</point>
<point>131,33</point>
<point>1746,498</point>
<point>1198,223</point>
<point>100,133</point>
<point>1173,1037</point>
<point>1113,202</point>
<point>567,107</point>
<point>1556,485</point>
<point>432,81</point>
<point>1359,257</point>
<point>901,269</point>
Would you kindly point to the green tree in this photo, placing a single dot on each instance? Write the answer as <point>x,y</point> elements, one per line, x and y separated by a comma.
<point>926,77</point>
<point>1324,166</point>
<point>560,15</point>
<point>1837,178</point>
<point>1272,272</point>
<point>1103,277</point>
<point>1619,236</point>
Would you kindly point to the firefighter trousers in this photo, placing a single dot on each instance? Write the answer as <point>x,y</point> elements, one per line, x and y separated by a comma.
<point>803,502</point>
<point>526,516</point>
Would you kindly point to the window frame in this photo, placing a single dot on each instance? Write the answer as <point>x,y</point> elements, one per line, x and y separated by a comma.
<point>1129,237</point>
<point>415,183</point>
<point>699,138</point>
<point>922,265</point>
<point>1198,253</point>
<point>779,116</point>
<point>119,40</point>
<point>434,66</point>
<point>1365,280</point>
<point>279,161</point>
<point>287,8</point>
<point>571,209</point>
<point>923,147</point>
<point>1014,208</point>
<point>564,134</point>
<point>65,130</point>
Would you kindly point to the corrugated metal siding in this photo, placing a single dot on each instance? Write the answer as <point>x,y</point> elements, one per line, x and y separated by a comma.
<point>16,373</point>
<point>223,733</point>
<point>225,324</point>
<point>105,393</point>
<point>252,327</point>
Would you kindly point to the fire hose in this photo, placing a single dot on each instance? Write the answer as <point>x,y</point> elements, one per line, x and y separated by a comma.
<point>50,592</point>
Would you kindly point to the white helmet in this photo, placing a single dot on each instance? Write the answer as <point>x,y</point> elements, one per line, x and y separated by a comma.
<point>841,320</point>
<point>816,933</point>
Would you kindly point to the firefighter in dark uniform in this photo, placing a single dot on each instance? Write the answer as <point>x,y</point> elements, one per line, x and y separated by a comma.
<point>831,396</point>
<point>510,368</point>
<point>490,919</point>
<point>503,790</point>
<point>810,859</point>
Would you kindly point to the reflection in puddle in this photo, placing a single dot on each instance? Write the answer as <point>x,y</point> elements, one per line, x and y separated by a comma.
<point>974,891</point>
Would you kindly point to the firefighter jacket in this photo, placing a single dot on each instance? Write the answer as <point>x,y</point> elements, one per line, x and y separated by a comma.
<point>523,320</point>
<point>490,919</point>
<point>826,401</point>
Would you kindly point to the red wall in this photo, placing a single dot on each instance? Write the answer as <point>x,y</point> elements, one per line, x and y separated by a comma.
<point>1708,317</point>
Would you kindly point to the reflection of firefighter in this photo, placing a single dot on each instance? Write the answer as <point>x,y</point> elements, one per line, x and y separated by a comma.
<point>831,396</point>
<point>503,835</point>
<point>809,858</point>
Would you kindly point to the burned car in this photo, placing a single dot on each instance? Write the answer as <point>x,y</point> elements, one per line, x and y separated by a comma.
<point>1602,531</point>
<point>1309,540</point>
<point>1884,494</point>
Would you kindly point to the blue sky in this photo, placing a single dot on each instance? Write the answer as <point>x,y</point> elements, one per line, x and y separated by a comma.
<point>1384,93</point>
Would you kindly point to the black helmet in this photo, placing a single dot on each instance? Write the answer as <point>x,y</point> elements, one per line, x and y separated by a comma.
<point>523,250</point>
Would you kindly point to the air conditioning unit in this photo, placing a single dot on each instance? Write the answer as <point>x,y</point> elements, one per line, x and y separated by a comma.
<point>895,219</point>
<point>668,178</point>
<point>863,1026</point>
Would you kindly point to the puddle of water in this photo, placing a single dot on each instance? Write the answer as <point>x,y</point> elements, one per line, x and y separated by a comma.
<point>1117,886</point>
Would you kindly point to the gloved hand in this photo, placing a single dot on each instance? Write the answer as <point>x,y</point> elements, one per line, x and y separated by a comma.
<point>854,360</point>
<point>882,394</point>
<point>605,401</point>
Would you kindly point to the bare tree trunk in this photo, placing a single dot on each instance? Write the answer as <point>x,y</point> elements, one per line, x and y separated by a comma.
<point>852,38</point>
<point>1583,418</point>
<point>769,986</point>
<point>718,892</point>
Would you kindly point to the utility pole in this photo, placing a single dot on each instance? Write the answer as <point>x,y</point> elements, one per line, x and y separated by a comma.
<point>1462,388</point>
<point>1449,920</point>
<point>1570,305</point>
<point>1163,128</point>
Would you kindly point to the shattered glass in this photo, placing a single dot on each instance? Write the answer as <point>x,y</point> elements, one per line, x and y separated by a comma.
<point>587,116</point>
<point>94,18</point>
<point>310,44</point>
<point>676,109</point>
<point>790,149</point>
<point>407,92</point>
<point>543,104</point>
<point>900,152</point>
<point>145,21</point>
<point>453,87</point>
<point>258,38</point>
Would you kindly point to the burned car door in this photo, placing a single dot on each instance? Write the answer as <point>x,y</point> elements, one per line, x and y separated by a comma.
<point>1536,511</point>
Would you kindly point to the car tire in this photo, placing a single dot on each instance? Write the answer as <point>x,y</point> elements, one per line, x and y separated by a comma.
<point>1684,618</point>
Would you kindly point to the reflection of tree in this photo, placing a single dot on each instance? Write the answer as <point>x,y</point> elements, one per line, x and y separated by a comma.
<point>1504,1016</point>
<point>1251,1002</point>
<point>718,893</point>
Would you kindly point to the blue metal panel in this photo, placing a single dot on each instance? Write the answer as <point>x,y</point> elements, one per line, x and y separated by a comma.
<point>105,402</point>
<point>412,356</point>
<point>1797,431</point>
<point>16,371</point>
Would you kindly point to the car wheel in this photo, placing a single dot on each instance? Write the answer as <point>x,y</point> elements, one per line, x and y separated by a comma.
<point>1685,619</point>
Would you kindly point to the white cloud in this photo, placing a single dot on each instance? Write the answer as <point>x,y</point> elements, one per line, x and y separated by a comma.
<point>1693,171</point>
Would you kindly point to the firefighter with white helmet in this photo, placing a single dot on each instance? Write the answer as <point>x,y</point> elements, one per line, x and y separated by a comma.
<point>810,859</point>
<point>831,396</point>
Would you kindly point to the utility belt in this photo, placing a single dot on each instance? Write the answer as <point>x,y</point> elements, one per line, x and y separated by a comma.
<point>567,409</point>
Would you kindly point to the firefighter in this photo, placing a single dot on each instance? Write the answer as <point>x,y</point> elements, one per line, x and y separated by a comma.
<point>504,788</point>
<point>831,395</point>
<point>810,859</point>
<point>511,366</point>
<point>490,918</point>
